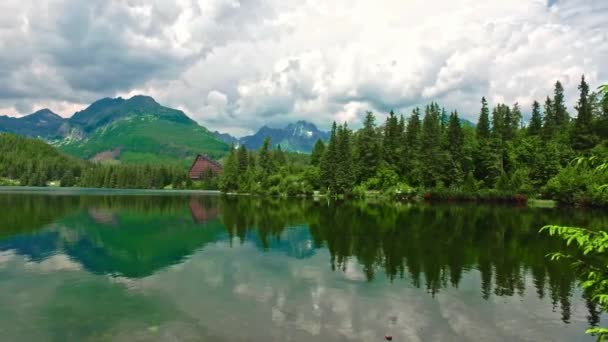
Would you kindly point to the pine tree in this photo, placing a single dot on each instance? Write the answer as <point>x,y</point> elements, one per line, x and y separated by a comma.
<point>411,163</point>
<point>536,122</point>
<point>602,125</point>
<point>345,175</point>
<point>266,161</point>
<point>390,143</point>
<point>455,146</point>
<point>328,162</point>
<point>513,122</point>
<point>317,153</point>
<point>583,136</point>
<point>485,158</point>
<point>483,124</point>
<point>243,159</point>
<point>559,106</point>
<point>431,146</point>
<point>229,180</point>
<point>368,149</point>
<point>550,121</point>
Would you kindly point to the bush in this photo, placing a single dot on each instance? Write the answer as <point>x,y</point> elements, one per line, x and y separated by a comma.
<point>578,184</point>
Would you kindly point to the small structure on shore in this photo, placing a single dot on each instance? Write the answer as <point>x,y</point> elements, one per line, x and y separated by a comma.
<point>203,167</point>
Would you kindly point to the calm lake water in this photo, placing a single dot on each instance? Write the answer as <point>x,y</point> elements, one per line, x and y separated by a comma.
<point>191,268</point>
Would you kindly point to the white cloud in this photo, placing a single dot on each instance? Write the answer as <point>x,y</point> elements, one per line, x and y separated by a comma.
<point>239,64</point>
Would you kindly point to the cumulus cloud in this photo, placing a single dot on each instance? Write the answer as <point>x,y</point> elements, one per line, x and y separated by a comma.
<point>236,65</point>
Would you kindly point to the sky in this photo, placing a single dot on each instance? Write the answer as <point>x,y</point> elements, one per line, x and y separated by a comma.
<point>235,65</point>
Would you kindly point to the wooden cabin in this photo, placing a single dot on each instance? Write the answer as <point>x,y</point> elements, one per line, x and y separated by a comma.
<point>203,166</point>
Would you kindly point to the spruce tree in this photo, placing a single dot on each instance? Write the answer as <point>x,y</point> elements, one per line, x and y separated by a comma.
<point>431,146</point>
<point>317,153</point>
<point>243,159</point>
<point>411,163</point>
<point>455,147</point>
<point>550,121</point>
<point>368,155</point>
<point>266,160</point>
<point>602,126</point>
<point>483,124</point>
<point>328,162</point>
<point>583,136</point>
<point>485,157</point>
<point>229,180</point>
<point>536,122</point>
<point>345,175</point>
<point>559,106</point>
<point>390,143</point>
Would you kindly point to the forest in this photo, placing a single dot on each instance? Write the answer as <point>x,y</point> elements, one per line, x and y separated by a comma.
<point>436,155</point>
<point>31,162</point>
<point>431,154</point>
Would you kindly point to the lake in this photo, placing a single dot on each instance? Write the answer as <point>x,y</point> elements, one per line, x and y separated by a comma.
<point>90,266</point>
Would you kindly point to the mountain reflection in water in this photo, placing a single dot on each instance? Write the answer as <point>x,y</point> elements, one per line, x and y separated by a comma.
<point>432,248</point>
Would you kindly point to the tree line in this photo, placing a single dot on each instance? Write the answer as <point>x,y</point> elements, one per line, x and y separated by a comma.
<point>436,150</point>
<point>31,162</point>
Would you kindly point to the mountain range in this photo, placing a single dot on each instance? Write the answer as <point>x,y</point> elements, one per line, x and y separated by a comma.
<point>135,130</point>
<point>140,130</point>
<point>296,137</point>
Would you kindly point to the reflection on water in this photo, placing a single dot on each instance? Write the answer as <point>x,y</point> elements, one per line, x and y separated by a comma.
<point>214,268</point>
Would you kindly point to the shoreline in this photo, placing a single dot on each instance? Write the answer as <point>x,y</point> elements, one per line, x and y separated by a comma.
<point>66,191</point>
<point>99,191</point>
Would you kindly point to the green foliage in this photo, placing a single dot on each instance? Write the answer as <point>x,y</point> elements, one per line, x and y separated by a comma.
<point>583,137</point>
<point>582,182</point>
<point>590,259</point>
<point>368,148</point>
<point>317,153</point>
<point>536,122</point>
<point>147,139</point>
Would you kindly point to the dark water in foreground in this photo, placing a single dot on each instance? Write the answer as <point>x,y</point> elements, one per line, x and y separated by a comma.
<point>186,268</point>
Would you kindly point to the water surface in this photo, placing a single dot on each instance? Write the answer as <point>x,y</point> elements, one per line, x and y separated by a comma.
<point>81,267</point>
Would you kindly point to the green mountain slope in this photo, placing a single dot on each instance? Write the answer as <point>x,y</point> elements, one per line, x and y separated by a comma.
<point>138,130</point>
<point>20,156</point>
<point>147,139</point>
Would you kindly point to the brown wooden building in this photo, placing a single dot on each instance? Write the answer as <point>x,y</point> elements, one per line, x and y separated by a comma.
<point>202,166</point>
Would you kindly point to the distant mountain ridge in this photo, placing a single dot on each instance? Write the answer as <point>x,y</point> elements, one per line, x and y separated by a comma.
<point>134,130</point>
<point>300,136</point>
<point>43,123</point>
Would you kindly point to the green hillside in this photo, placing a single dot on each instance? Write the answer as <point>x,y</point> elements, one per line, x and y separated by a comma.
<point>20,156</point>
<point>149,139</point>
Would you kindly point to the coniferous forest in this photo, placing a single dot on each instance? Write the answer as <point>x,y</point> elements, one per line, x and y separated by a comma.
<point>435,154</point>
<point>431,153</point>
<point>31,162</point>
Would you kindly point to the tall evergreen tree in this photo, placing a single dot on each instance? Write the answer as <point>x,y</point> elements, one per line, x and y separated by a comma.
<point>431,145</point>
<point>536,122</point>
<point>391,141</point>
<point>602,125</point>
<point>328,162</point>
<point>559,106</point>
<point>317,153</point>
<point>583,137</point>
<point>455,147</point>
<point>266,160</point>
<point>345,174</point>
<point>411,163</point>
<point>485,158</point>
<point>229,180</point>
<point>243,159</point>
<point>483,124</point>
<point>368,145</point>
<point>550,121</point>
